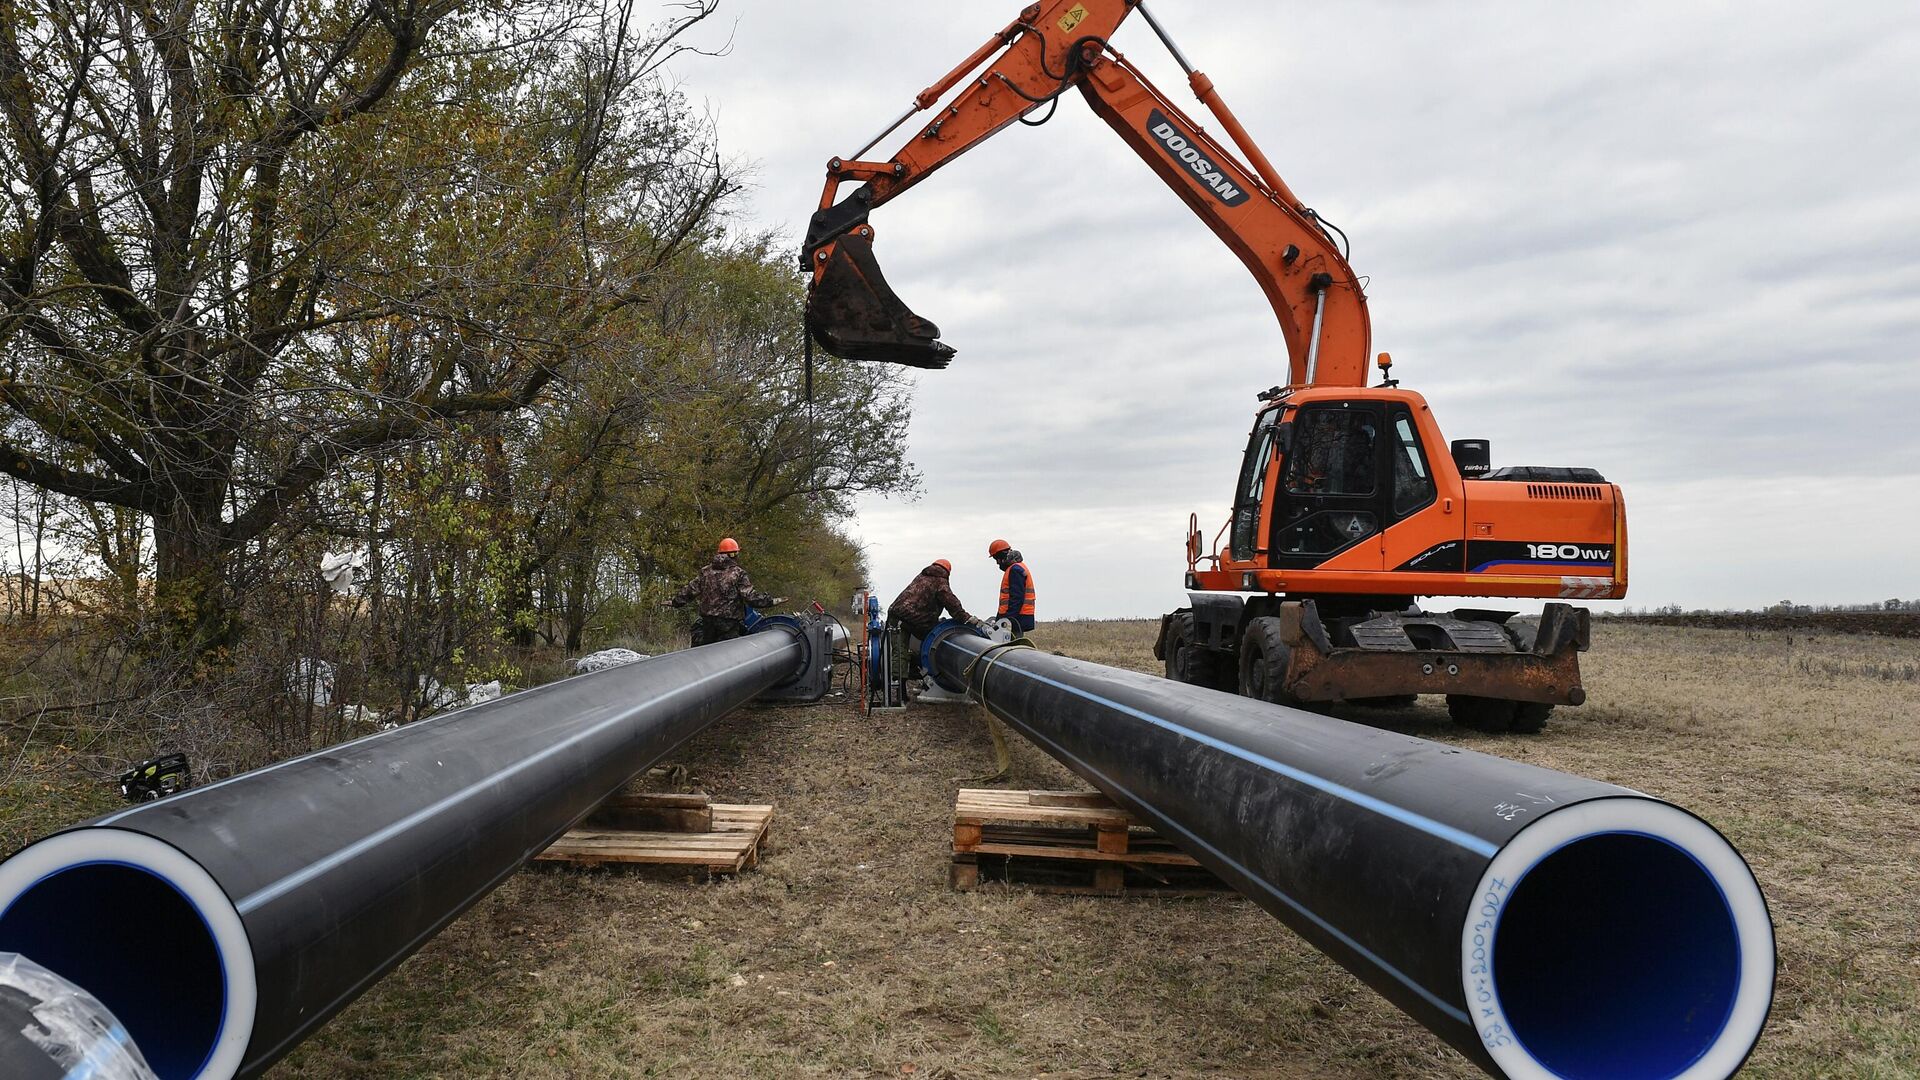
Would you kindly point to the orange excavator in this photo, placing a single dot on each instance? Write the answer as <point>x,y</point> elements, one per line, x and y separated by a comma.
<point>1349,503</point>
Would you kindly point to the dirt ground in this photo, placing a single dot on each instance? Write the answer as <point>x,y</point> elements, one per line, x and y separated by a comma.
<point>845,954</point>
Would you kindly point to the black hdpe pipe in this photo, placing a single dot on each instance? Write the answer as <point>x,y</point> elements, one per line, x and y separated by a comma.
<point>1546,925</point>
<point>224,924</point>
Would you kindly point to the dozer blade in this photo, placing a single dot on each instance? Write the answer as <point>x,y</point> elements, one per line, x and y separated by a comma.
<point>854,315</point>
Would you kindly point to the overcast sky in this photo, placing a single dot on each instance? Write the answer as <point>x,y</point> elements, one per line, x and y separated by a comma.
<point>1676,243</point>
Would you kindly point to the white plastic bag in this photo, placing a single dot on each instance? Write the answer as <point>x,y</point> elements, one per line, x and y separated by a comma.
<point>50,1026</point>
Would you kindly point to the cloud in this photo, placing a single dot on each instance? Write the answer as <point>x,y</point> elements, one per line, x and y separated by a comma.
<point>1675,243</point>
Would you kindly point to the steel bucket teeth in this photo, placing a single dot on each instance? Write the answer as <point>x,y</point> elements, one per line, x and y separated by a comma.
<point>854,315</point>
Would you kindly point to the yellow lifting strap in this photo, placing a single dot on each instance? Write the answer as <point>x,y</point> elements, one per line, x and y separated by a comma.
<point>1002,759</point>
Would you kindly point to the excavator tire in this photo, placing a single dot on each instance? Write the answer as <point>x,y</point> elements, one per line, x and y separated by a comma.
<point>1263,662</point>
<point>1204,667</point>
<point>1179,632</point>
<point>1481,713</point>
<point>1190,663</point>
<point>1528,716</point>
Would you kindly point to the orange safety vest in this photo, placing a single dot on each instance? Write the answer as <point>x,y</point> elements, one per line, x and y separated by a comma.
<point>1006,578</point>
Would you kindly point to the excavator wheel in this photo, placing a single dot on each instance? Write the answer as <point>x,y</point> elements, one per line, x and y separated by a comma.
<point>1495,714</point>
<point>1530,716</point>
<point>1263,662</point>
<point>1204,667</point>
<point>1179,632</point>
<point>1190,663</point>
<point>1390,701</point>
<point>1481,713</point>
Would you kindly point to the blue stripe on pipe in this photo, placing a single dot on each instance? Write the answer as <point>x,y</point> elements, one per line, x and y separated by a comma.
<point>372,840</point>
<point>1452,1011</point>
<point>173,801</point>
<point>1401,814</point>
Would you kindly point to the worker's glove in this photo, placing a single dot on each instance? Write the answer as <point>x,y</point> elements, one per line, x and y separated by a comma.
<point>776,601</point>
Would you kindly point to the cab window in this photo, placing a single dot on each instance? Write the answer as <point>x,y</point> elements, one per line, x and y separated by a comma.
<point>1412,480</point>
<point>1333,452</point>
<point>1247,494</point>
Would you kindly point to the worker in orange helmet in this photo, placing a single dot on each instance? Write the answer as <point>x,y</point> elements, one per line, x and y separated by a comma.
<point>721,593</point>
<point>1016,585</point>
<point>919,605</point>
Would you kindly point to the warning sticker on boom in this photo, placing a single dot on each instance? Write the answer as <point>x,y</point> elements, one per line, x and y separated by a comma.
<point>1074,17</point>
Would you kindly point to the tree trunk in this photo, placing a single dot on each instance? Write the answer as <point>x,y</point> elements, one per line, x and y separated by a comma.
<point>579,599</point>
<point>190,594</point>
<point>517,608</point>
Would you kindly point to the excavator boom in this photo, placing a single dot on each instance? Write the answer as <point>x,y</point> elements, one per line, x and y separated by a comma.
<point>1350,503</point>
<point>1050,49</point>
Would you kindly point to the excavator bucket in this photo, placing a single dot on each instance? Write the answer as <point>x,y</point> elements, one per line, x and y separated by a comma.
<point>854,315</point>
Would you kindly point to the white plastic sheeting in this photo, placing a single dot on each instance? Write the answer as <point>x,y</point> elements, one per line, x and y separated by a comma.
<point>438,695</point>
<point>311,678</point>
<point>343,571</point>
<point>604,659</point>
<point>60,1026</point>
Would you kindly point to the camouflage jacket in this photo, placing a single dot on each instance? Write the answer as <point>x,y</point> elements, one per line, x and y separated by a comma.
<point>721,591</point>
<point>919,605</point>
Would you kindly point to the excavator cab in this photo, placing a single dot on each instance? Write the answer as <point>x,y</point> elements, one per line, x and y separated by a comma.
<point>1347,508</point>
<point>1327,477</point>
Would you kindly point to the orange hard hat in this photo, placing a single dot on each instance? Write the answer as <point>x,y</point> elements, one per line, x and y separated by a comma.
<point>997,547</point>
<point>729,546</point>
<point>943,564</point>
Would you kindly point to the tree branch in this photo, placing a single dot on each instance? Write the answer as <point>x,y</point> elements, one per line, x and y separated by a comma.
<point>19,463</point>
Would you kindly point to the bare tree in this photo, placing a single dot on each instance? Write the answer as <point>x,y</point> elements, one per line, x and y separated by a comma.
<point>245,243</point>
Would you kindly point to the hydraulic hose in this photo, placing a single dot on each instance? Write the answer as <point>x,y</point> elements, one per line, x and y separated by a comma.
<point>1546,925</point>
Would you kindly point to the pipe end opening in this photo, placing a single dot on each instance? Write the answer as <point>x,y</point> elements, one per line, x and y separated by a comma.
<point>1637,946</point>
<point>143,929</point>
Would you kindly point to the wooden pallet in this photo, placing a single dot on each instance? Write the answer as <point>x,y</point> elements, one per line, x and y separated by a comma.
<point>1074,842</point>
<point>666,830</point>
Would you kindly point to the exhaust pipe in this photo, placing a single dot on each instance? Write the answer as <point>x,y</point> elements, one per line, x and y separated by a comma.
<point>1548,926</point>
<point>224,924</point>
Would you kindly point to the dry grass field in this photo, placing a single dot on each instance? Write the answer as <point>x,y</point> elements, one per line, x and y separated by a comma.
<point>845,955</point>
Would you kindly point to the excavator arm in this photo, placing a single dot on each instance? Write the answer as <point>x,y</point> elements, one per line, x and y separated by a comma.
<point>1050,49</point>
